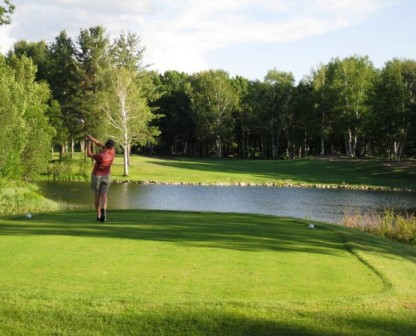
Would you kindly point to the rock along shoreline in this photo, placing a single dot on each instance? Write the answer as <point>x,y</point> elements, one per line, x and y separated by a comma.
<point>268,184</point>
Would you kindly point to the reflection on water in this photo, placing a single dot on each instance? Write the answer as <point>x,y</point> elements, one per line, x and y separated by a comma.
<point>326,205</point>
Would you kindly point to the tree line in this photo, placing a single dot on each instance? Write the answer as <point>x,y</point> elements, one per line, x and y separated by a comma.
<point>53,93</point>
<point>346,106</point>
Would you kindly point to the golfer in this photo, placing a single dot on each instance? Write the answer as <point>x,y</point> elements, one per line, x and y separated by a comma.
<point>100,176</point>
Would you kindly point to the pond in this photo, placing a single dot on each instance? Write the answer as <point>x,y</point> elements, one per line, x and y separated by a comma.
<point>328,205</point>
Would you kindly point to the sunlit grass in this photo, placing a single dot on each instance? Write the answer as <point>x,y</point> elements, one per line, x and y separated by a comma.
<point>306,172</point>
<point>173,273</point>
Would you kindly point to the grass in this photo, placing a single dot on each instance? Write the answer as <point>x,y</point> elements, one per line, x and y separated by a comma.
<point>174,273</point>
<point>22,197</point>
<point>335,172</point>
<point>373,173</point>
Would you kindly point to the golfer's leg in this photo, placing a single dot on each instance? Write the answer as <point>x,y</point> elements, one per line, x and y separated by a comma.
<point>104,201</point>
<point>97,197</point>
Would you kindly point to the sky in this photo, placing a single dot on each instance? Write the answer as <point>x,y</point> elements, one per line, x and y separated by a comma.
<point>243,37</point>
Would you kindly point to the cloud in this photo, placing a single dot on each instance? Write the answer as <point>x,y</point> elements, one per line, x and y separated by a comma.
<point>5,39</point>
<point>178,34</point>
<point>44,19</point>
<point>217,23</point>
<point>207,26</point>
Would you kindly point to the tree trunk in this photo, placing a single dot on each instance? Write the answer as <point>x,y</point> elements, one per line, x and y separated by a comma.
<point>322,145</point>
<point>322,128</point>
<point>306,146</point>
<point>125,161</point>
<point>72,147</point>
<point>219,147</point>
<point>247,146</point>
<point>397,149</point>
<point>82,145</point>
<point>274,150</point>
<point>350,143</point>
<point>354,145</point>
<point>128,154</point>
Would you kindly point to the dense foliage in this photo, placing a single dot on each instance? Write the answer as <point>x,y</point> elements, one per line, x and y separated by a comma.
<point>344,107</point>
<point>92,85</point>
<point>25,132</point>
<point>55,92</point>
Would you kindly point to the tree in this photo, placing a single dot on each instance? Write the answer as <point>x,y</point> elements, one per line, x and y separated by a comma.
<point>5,12</point>
<point>242,116</point>
<point>395,106</point>
<point>322,77</point>
<point>127,111</point>
<point>63,80</point>
<point>38,52</point>
<point>213,99</point>
<point>303,124</point>
<point>56,120</point>
<point>12,124</point>
<point>249,120</point>
<point>25,132</point>
<point>352,84</point>
<point>93,63</point>
<point>38,131</point>
<point>272,105</point>
<point>176,126</point>
<point>127,52</point>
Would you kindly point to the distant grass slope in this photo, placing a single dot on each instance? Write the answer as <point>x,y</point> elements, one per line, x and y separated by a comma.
<point>174,273</point>
<point>374,173</point>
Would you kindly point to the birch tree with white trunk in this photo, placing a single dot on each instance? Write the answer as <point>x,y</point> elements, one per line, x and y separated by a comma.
<point>352,85</point>
<point>127,111</point>
<point>395,105</point>
<point>272,105</point>
<point>213,100</point>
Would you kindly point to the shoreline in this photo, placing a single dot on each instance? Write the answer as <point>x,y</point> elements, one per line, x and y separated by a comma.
<point>267,184</point>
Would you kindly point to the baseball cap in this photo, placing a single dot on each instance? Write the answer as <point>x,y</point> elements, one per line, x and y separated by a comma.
<point>109,143</point>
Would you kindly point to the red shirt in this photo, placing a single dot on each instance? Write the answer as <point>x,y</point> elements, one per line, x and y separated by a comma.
<point>103,161</point>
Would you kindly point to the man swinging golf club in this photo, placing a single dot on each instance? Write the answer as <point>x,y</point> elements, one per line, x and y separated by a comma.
<point>100,176</point>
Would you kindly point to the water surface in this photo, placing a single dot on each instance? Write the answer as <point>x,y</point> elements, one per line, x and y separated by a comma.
<point>327,205</point>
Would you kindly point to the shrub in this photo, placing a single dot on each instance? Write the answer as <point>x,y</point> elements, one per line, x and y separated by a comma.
<point>388,224</point>
<point>69,169</point>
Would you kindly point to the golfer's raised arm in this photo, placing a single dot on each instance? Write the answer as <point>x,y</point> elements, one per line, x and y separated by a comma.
<point>88,146</point>
<point>95,141</point>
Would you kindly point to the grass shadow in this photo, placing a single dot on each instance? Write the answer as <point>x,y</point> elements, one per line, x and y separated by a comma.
<point>204,229</point>
<point>216,230</point>
<point>205,319</point>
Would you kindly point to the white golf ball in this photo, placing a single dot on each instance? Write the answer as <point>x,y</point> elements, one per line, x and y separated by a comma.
<point>311,226</point>
<point>28,215</point>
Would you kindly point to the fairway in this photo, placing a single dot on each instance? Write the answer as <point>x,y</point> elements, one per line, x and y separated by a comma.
<point>144,267</point>
<point>306,172</point>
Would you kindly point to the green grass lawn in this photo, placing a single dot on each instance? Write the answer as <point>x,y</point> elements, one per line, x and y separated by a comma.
<point>374,173</point>
<point>180,273</point>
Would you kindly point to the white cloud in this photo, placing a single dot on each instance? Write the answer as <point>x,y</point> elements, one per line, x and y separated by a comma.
<point>182,57</point>
<point>206,26</point>
<point>179,33</point>
<point>5,40</point>
<point>214,24</point>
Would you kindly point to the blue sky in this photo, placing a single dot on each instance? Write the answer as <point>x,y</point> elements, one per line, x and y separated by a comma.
<point>243,37</point>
